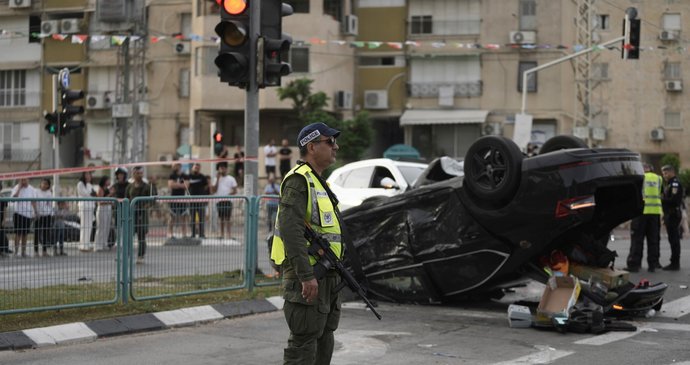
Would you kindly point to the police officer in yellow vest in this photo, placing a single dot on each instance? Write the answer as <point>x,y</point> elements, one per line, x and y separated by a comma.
<point>311,309</point>
<point>647,225</point>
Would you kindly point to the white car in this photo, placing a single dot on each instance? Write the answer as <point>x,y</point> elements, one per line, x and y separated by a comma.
<point>357,181</point>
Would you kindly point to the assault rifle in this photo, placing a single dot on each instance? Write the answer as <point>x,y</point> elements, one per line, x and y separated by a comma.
<point>320,248</point>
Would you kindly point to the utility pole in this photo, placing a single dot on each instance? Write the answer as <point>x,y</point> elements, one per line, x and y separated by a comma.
<point>251,111</point>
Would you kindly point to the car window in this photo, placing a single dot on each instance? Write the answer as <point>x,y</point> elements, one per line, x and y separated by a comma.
<point>359,178</point>
<point>340,180</point>
<point>411,173</point>
<point>379,173</point>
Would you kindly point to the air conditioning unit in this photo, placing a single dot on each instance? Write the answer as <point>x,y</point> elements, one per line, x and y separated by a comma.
<point>656,134</point>
<point>97,101</point>
<point>165,157</point>
<point>68,26</point>
<point>182,48</point>
<point>20,3</point>
<point>674,85</point>
<point>50,26</point>
<point>375,99</point>
<point>343,99</point>
<point>351,25</point>
<point>523,37</point>
<point>668,35</point>
<point>491,129</point>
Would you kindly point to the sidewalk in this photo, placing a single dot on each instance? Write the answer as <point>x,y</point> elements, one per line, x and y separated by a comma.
<point>93,330</point>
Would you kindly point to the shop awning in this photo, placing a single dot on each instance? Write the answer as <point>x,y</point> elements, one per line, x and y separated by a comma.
<point>427,117</point>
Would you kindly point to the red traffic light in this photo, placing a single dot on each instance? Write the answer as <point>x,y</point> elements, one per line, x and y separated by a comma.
<point>218,137</point>
<point>234,7</point>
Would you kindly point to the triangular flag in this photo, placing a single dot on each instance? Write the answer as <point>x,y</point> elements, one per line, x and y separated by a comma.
<point>59,37</point>
<point>357,44</point>
<point>79,38</point>
<point>396,45</point>
<point>117,40</point>
<point>373,45</point>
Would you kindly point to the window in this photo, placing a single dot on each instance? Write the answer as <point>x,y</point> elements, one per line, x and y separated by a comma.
<point>19,141</point>
<point>186,24</point>
<point>298,6</point>
<point>672,120</point>
<point>600,71</point>
<point>603,22</point>
<point>184,83</point>
<point>359,178</point>
<point>672,71</point>
<point>377,61</point>
<point>671,21</point>
<point>207,7</point>
<point>528,15</point>
<point>333,8</point>
<point>12,88</point>
<point>34,29</point>
<point>379,173</point>
<point>205,57</point>
<point>532,81</point>
<point>421,24</point>
<point>299,59</point>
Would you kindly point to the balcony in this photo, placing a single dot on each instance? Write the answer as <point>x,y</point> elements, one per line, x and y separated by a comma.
<point>431,89</point>
<point>420,26</point>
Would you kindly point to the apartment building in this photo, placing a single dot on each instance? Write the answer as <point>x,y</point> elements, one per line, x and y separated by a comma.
<point>457,75</point>
<point>319,51</point>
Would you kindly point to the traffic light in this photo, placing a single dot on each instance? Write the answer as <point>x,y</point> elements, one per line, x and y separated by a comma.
<point>634,51</point>
<point>218,145</point>
<point>52,122</point>
<point>68,111</point>
<point>233,30</point>
<point>274,45</point>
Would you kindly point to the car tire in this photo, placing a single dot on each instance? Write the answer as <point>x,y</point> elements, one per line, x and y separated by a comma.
<point>562,143</point>
<point>492,168</point>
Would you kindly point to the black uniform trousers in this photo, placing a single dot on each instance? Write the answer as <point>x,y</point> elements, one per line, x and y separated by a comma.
<point>672,222</point>
<point>645,226</point>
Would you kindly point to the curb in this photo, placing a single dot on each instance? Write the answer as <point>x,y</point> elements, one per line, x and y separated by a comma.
<point>93,330</point>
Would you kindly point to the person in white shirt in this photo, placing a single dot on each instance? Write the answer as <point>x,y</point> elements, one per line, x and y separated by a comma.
<point>224,185</point>
<point>23,214</point>
<point>43,225</point>
<point>87,211</point>
<point>270,151</point>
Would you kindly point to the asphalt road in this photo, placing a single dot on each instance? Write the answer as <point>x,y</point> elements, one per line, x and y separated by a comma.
<point>472,333</point>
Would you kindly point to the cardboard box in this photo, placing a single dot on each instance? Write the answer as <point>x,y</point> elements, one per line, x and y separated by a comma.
<point>609,277</point>
<point>559,296</point>
<point>519,316</point>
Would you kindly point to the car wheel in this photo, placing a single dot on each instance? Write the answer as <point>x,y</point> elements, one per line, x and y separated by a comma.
<point>492,168</point>
<point>562,143</point>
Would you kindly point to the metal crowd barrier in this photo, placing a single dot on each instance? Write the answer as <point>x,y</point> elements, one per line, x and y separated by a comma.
<point>140,250</point>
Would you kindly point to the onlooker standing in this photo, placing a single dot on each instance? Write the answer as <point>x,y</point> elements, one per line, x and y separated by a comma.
<point>285,156</point>
<point>239,164</point>
<point>87,213</point>
<point>647,225</point>
<point>270,159</point>
<point>118,189</point>
<point>672,201</point>
<point>23,214</point>
<point>177,184</point>
<point>224,185</point>
<point>4,241</point>
<point>104,215</point>
<point>141,217</point>
<point>43,224</point>
<point>271,203</point>
<point>198,185</point>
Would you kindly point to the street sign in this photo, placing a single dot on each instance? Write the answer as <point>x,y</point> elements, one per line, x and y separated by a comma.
<point>122,110</point>
<point>64,78</point>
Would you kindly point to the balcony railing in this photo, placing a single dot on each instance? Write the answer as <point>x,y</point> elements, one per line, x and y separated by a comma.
<point>420,27</point>
<point>8,153</point>
<point>431,89</point>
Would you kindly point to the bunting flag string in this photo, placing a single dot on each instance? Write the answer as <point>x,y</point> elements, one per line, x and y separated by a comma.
<point>118,40</point>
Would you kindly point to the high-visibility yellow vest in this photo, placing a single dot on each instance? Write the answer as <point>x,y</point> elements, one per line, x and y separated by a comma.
<point>652,193</point>
<point>320,215</point>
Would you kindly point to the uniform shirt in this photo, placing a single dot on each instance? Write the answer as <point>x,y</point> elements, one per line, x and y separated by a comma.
<point>672,197</point>
<point>44,208</point>
<point>270,161</point>
<point>226,185</point>
<point>293,209</point>
<point>24,208</point>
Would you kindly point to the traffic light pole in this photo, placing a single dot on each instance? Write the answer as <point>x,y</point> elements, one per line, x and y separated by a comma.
<point>56,139</point>
<point>251,111</point>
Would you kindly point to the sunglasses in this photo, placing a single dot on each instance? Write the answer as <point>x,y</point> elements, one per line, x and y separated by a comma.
<point>330,140</point>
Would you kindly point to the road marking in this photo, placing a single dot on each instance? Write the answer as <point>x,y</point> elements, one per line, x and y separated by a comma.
<point>360,347</point>
<point>546,355</point>
<point>599,340</point>
<point>653,326</point>
<point>676,308</point>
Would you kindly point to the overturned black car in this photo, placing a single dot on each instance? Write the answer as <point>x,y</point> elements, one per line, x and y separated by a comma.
<point>454,236</point>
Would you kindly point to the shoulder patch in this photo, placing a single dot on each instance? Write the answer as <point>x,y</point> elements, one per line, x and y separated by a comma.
<point>291,196</point>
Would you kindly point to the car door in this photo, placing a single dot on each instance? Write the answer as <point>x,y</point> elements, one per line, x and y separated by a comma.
<point>355,187</point>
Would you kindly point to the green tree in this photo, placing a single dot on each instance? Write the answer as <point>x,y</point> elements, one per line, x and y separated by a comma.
<point>671,159</point>
<point>684,177</point>
<point>356,134</point>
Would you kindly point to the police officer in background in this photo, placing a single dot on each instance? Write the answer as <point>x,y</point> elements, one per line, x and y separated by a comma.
<point>647,225</point>
<point>312,309</point>
<point>672,201</point>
